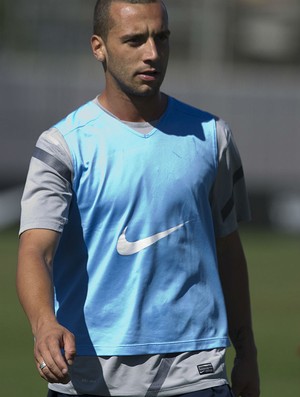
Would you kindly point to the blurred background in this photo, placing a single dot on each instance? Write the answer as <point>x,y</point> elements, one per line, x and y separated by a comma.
<point>238,59</point>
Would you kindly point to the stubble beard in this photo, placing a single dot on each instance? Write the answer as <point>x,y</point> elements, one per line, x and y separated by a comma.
<point>143,90</point>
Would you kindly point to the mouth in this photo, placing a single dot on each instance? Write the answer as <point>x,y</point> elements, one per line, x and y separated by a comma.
<point>149,75</point>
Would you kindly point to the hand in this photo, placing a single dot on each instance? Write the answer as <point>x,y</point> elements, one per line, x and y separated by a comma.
<point>50,339</point>
<point>245,377</point>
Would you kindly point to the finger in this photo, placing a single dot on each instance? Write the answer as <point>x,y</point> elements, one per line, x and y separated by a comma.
<point>40,364</point>
<point>243,393</point>
<point>232,393</point>
<point>250,393</point>
<point>47,373</point>
<point>56,369</point>
<point>236,391</point>
<point>69,348</point>
<point>56,362</point>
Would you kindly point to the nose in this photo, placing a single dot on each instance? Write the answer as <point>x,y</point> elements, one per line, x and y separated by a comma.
<point>151,52</point>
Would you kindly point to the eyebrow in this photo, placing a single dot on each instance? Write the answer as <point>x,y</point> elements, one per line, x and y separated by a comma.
<point>166,32</point>
<point>141,35</point>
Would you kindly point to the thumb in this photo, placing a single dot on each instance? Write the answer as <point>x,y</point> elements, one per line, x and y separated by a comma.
<point>69,347</point>
<point>236,390</point>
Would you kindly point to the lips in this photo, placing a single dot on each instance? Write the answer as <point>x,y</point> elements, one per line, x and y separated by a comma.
<point>149,74</point>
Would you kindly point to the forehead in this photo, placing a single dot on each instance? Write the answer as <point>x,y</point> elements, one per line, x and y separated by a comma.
<point>137,17</point>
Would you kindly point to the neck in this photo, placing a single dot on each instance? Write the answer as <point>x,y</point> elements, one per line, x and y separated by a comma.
<point>135,109</point>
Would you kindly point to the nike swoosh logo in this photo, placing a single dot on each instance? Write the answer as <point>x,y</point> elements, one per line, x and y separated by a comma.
<point>125,247</point>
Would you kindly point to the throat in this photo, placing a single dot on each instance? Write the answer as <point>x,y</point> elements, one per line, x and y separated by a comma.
<point>135,110</point>
<point>142,127</point>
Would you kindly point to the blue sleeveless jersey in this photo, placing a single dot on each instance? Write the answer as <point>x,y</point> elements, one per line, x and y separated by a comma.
<point>136,271</point>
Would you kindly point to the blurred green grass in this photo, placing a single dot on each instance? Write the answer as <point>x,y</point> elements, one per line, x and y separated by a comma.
<point>18,376</point>
<point>274,271</point>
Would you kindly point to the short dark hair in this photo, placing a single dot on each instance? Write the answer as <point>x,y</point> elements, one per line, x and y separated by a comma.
<point>102,21</point>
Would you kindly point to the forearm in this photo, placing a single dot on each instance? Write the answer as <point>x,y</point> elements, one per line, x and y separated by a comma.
<point>235,283</point>
<point>35,290</point>
<point>34,280</point>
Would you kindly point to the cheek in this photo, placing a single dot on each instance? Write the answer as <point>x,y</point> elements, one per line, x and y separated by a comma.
<point>116,66</point>
<point>124,71</point>
<point>165,55</point>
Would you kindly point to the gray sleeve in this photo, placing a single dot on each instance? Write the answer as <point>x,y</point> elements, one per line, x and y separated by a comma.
<point>229,198</point>
<point>48,188</point>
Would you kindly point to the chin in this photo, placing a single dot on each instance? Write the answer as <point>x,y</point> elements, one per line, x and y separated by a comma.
<point>146,92</point>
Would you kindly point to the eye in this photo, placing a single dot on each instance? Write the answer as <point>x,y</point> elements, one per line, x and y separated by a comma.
<point>135,41</point>
<point>163,36</point>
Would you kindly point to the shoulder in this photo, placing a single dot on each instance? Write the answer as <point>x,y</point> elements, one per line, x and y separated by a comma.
<point>52,143</point>
<point>224,135</point>
<point>184,119</point>
<point>191,111</point>
<point>80,118</point>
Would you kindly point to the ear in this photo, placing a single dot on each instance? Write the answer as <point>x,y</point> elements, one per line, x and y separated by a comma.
<point>98,48</point>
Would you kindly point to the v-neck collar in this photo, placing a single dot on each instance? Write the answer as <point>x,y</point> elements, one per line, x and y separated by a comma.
<point>134,127</point>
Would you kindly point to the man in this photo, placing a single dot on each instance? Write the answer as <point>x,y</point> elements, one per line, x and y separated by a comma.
<point>129,225</point>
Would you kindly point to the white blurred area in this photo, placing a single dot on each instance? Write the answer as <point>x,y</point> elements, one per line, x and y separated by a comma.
<point>238,59</point>
<point>10,206</point>
<point>284,212</point>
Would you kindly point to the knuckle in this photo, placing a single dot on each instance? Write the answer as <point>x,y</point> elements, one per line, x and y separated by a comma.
<point>51,367</point>
<point>72,351</point>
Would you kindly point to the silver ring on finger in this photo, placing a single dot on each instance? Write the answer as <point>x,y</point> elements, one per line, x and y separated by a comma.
<point>42,365</point>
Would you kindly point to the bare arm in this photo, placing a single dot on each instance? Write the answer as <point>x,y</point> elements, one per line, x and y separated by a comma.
<point>234,279</point>
<point>35,290</point>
